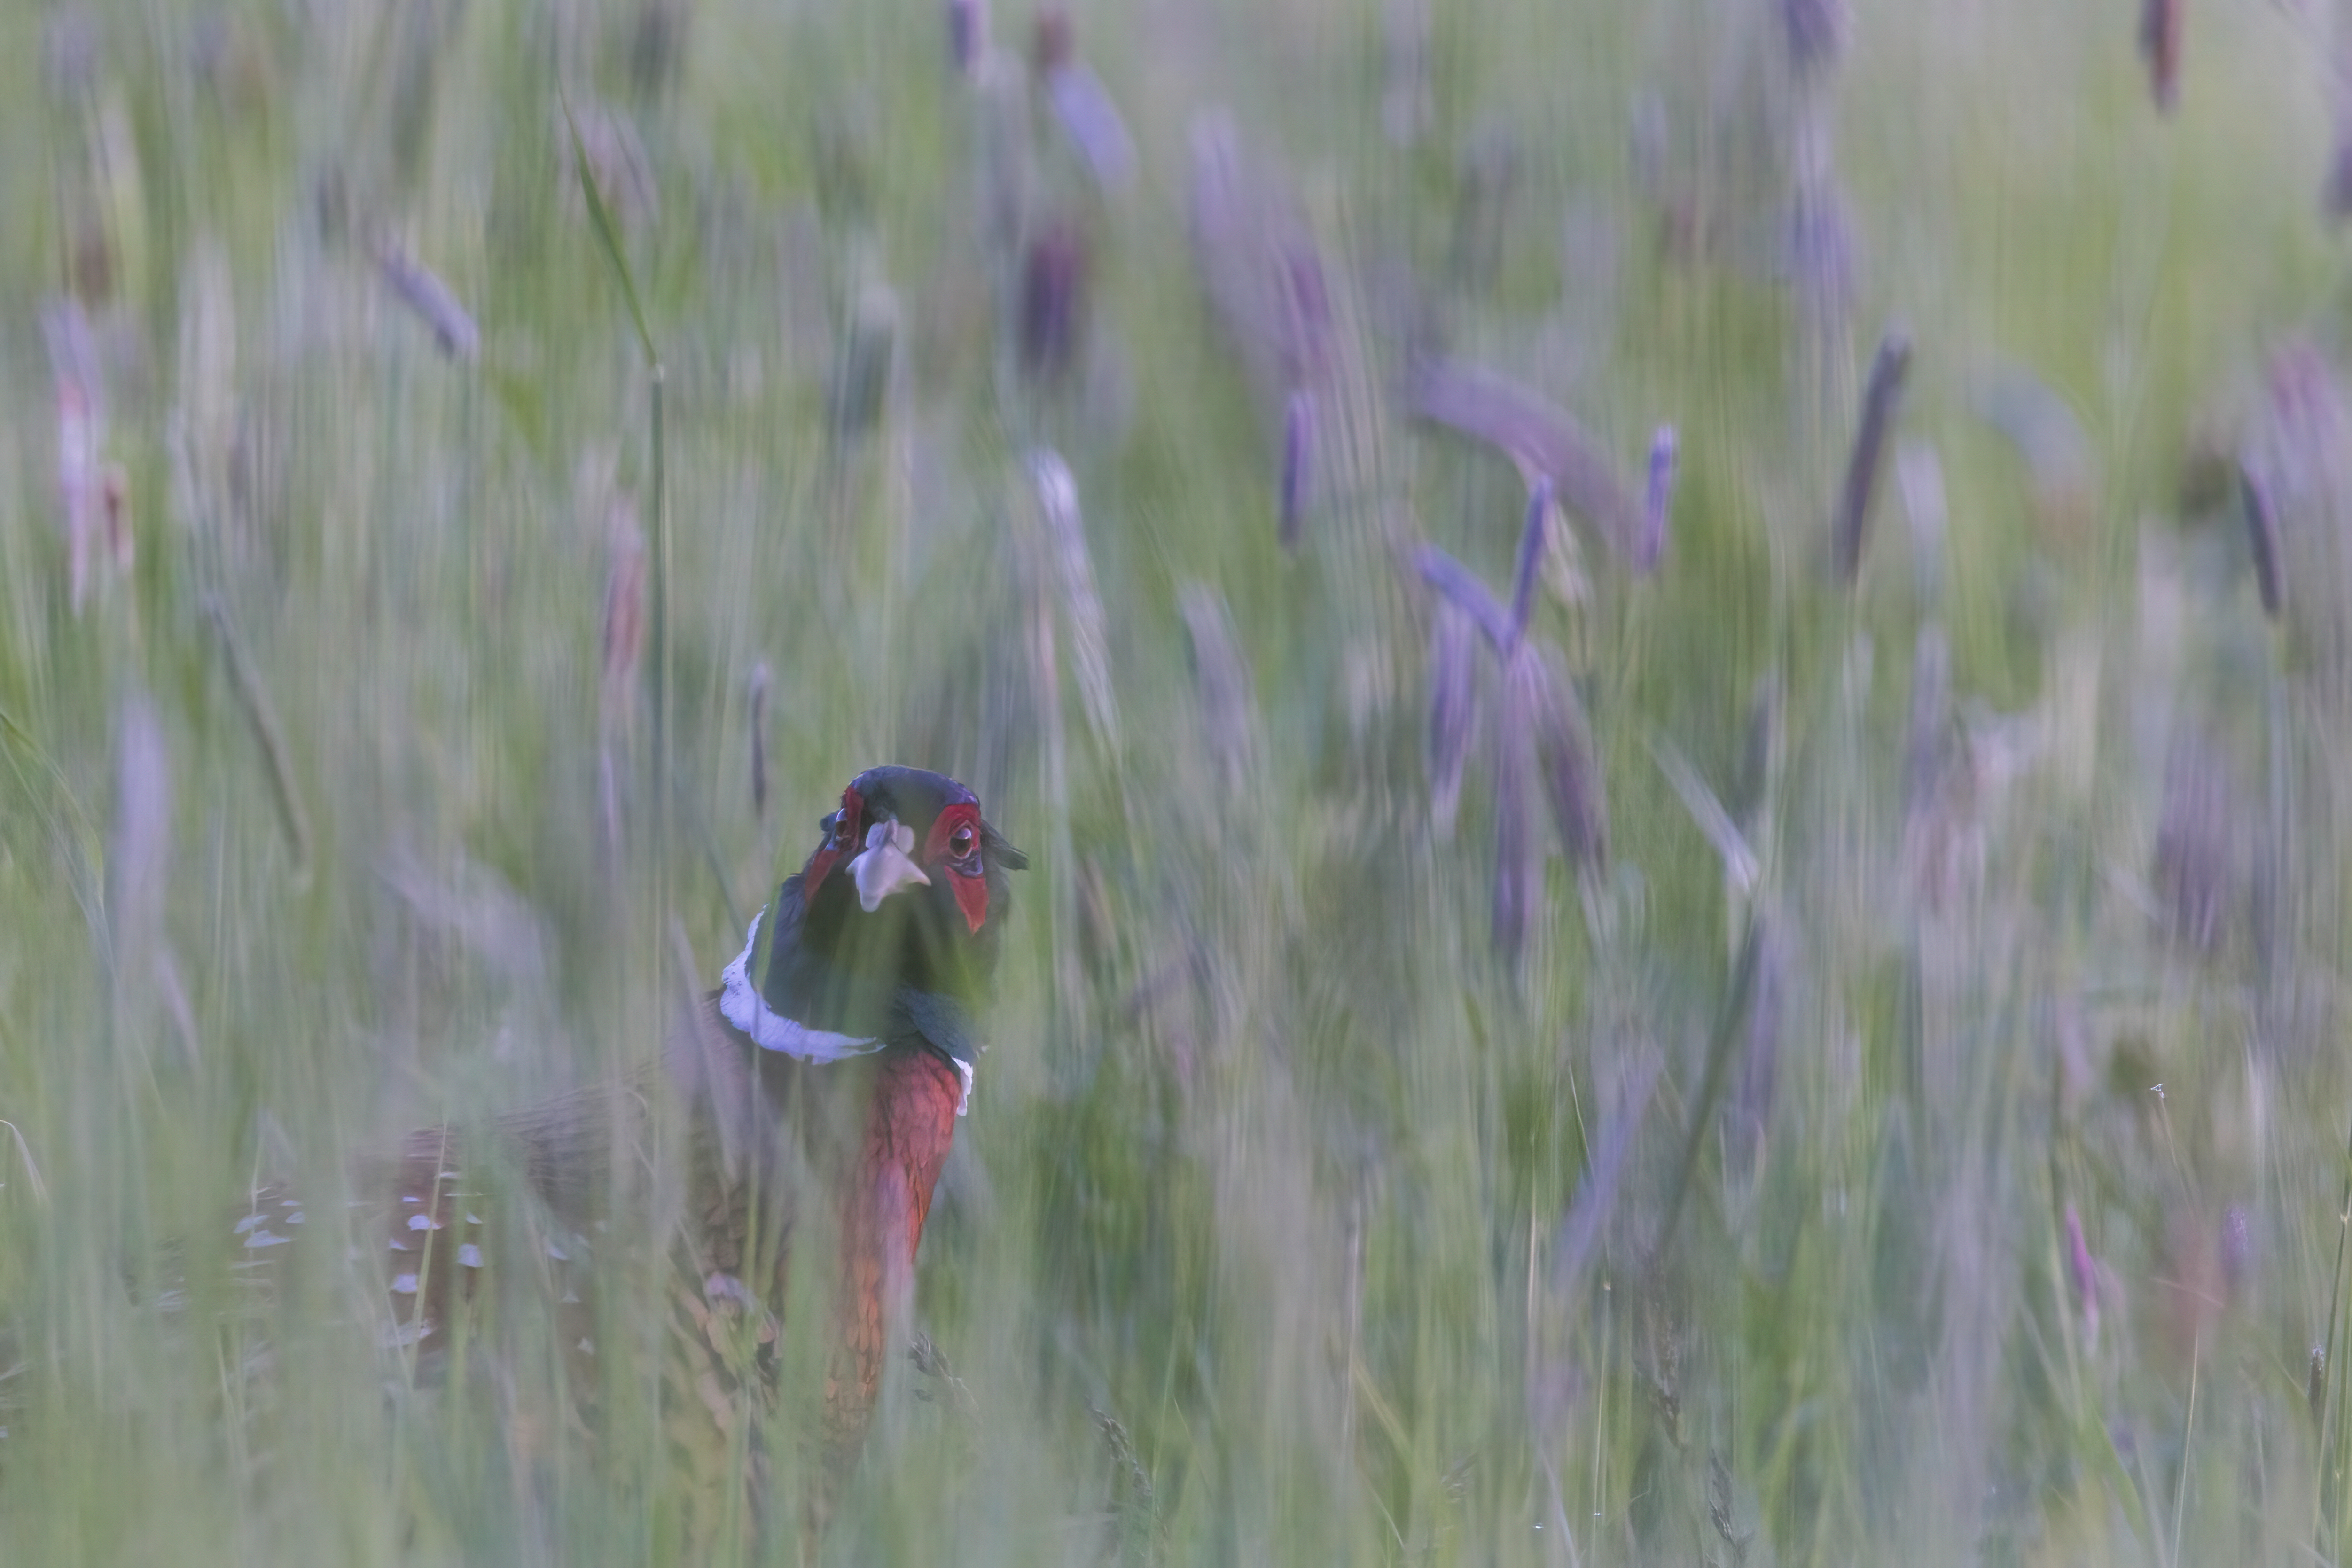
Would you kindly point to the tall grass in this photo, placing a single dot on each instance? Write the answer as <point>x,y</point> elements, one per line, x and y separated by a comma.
<point>1724,1215</point>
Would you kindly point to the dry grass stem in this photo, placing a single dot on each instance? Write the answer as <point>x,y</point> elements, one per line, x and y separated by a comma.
<point>1057,505</point>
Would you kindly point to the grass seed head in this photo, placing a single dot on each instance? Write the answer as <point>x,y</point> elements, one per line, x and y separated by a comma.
<point>1820,249</point>
<point>1053,40</point>
<point>2335,188</point>
<point>617,162</point>
<point>1880,400</point>
<point>2261,537</point>
<point>1054,288</point>
<point>967,34</point>
<point>1460,587</point>
<point>1657,501</point>
<point>1537,435</point>
<point>2298,446</point>
<point>1257,257</point>
<point>1297,463</point>
<point>432,301</point>
<point>2197,869</point>
<point>2304,413</point>
<point>2160,46</point>
<point>1815,33</point>
<point>1091,120</point>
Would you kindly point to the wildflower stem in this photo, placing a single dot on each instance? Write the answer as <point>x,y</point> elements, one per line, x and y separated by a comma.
<point>1718,1065</point>
<point>2329,1429</point>
<point>1531,543</point>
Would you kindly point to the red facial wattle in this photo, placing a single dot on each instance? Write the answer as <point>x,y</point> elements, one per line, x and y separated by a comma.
<point>953,844</point>
<point>842,841</point>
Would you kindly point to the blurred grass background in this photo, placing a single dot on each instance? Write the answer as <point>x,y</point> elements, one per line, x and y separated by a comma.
<point>1292,1222</point>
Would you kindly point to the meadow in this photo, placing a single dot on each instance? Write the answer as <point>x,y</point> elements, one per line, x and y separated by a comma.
<point>1819,1040</point>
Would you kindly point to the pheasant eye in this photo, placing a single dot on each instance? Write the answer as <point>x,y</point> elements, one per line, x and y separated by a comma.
<point>844,829</point>
<point>960,843</point>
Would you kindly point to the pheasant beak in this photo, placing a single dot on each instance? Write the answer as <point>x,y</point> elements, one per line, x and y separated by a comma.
<point>885,867</point>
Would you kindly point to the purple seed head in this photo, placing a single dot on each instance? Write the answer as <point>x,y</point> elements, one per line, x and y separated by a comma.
<point>967,33</point>
<point>1815,32</point>
<point>1053,300</point>
<point>1257,258</point>
<point>2335,189</point>
<point>2160,44</point>
<point>1460,588</point>
<point>1092,122</point>
<point>1306,308</point>
<point>1657,501</point>
<point>418,289</point>
<point>2261,531</point>
<point>1880,400</point>
<point>1297,461</point>
<point>1052,43</point>
<point>2199,879</point>
<point>1821,261</point>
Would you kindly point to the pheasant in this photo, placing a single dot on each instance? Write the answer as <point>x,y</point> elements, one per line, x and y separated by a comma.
<point>829,1067</point>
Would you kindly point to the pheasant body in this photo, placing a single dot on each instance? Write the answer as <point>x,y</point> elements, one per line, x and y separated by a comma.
<point>836,1080</point>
